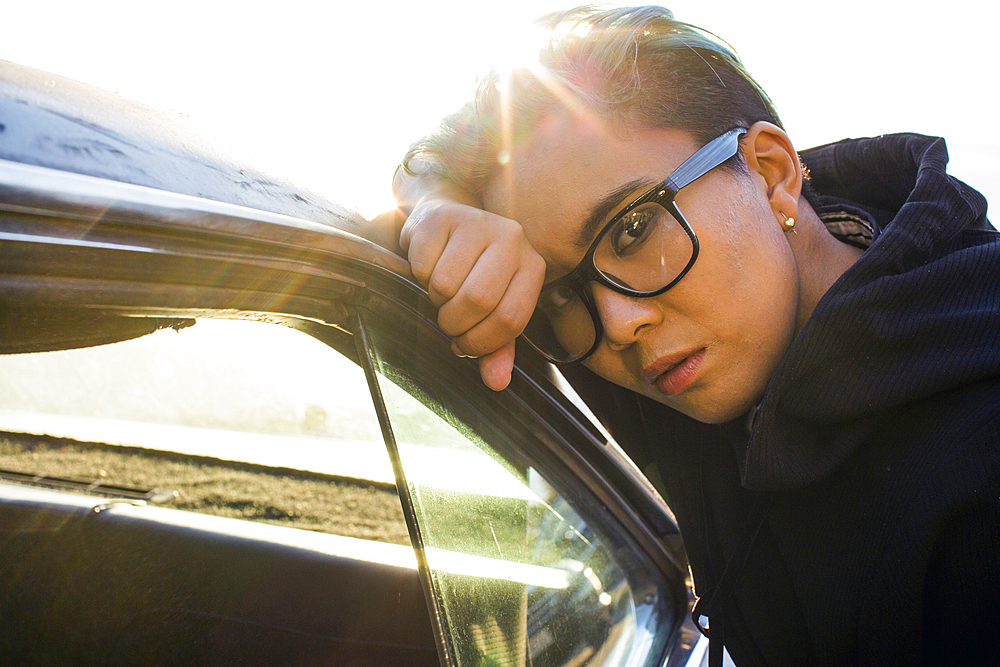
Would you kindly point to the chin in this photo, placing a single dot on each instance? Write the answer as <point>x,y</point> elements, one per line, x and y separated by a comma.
<point>707,411</point>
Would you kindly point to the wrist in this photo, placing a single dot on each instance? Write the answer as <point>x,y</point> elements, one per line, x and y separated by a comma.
<point>411,189</point>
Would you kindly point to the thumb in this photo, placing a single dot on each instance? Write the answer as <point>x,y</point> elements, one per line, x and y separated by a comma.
<point>496,367</point>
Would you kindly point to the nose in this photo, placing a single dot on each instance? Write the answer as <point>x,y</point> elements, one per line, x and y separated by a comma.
<point>624,318</point>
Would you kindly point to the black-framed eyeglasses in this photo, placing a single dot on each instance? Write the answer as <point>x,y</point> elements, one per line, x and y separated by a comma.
<point>642,251</point>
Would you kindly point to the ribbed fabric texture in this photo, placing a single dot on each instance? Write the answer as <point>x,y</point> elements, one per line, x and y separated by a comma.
<point>918,314</point>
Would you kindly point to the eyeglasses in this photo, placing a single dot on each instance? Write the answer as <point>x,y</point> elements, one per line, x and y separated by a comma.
<point>643,251</point>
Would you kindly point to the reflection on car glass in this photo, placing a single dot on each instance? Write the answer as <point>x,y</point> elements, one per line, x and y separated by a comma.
<point>243,419</point>
<point>520,576</point>
<point>220,388</point>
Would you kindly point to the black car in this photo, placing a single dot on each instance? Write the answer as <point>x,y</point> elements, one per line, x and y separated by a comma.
<point>211,389</point>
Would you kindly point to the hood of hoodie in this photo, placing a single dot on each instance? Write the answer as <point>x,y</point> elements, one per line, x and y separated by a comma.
<point>917,314</point>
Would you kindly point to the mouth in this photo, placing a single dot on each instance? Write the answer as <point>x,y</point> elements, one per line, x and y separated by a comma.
<point>673,373</point>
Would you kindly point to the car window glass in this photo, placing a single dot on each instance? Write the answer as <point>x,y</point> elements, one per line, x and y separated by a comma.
<point>244,419</point>
<point>521,576</point>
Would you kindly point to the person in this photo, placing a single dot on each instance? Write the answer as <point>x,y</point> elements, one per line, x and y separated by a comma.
<point>801,351</point>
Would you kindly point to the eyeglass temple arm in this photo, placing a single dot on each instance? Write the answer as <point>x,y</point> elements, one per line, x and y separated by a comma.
<point>710,156</point>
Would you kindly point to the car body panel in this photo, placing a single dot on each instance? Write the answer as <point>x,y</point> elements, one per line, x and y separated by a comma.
<point>85,578</point>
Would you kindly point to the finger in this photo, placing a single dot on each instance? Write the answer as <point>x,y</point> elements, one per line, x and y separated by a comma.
<point>424,236</point>
<point>409,226</point>
<point>458,353</point>
<point>423,257</point>
<point>384,230</point>
<point>507,320</point>
<point>496,368</point>
<point>456,273</point>
<point>480,291</point>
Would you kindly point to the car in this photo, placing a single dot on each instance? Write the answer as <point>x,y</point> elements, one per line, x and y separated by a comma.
<point>231,432</point>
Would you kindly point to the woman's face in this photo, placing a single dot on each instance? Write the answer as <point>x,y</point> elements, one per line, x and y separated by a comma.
<point>708,346</point>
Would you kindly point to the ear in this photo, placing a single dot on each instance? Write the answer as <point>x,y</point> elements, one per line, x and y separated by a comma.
<point>771,158</point>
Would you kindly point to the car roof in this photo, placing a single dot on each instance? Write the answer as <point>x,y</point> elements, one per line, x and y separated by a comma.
<point>56,123</point>
<point>51,121</point>
<point>80,166</point>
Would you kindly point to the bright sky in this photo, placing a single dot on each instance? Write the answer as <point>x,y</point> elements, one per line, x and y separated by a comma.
<point>330,94</point>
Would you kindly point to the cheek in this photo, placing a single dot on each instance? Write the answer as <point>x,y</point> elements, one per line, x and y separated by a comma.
<point>751,251</point>
<point>750,288</point>
<point>609,366</point>
<point>745,226</point>
<point>621,369</point>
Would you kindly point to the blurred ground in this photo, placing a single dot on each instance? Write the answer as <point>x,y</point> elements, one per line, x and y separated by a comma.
<point>243,491</point>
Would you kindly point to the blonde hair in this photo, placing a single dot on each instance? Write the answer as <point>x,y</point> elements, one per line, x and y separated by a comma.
<point>632,67</point>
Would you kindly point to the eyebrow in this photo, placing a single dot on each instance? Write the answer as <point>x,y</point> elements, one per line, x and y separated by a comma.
<point>602,209</point>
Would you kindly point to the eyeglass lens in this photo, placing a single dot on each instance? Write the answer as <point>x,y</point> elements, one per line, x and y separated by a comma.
<point>644,251</point>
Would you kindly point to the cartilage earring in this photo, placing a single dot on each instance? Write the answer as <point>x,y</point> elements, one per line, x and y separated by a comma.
<point>788,224</point>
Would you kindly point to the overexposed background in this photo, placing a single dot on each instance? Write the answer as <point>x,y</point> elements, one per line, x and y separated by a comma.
<point>330,94</point>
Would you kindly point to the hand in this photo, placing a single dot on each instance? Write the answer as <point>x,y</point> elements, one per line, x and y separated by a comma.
<point>481,272</point>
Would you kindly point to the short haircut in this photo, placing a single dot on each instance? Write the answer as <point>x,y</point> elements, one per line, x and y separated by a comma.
<point>633,67</point>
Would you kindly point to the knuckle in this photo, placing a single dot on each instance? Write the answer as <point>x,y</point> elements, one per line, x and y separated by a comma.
<point>499,227</point>
<point>442,285</point>
<point>509,323</point>
<point>511,231</point>
<point>443,212</point>
<point>536,266</point>
<point>451,328</point>
<point>427,219</point>
<point>465,344</point>
<point>478,298</point>
<point>476,348</point>
<point>512,326</point>
<point>421,270</point>
<point>430,212</point>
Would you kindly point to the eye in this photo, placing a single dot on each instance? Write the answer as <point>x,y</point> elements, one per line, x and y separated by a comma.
<point>557,301</point>
<point>633,230</point>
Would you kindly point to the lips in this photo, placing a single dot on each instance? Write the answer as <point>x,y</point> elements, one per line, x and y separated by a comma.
<point>673,373</point>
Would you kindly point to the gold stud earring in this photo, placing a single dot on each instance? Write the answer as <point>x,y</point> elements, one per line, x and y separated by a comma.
<point>788,224</point>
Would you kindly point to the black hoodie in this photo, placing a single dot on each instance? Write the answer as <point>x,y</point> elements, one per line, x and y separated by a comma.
<point>856,516</point>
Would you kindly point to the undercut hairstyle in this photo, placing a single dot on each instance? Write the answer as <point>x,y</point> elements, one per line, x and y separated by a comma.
<point>633,67</point>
